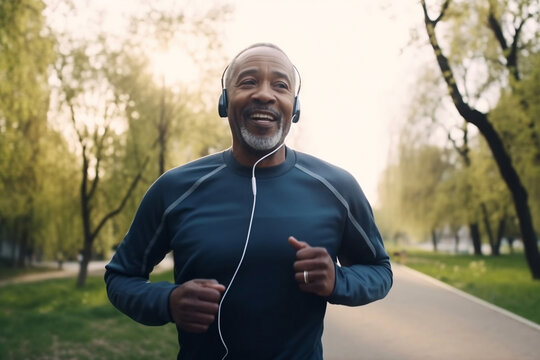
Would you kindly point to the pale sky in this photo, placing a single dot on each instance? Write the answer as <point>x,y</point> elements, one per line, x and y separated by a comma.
<point>354,78</point>
<point>354,81</point>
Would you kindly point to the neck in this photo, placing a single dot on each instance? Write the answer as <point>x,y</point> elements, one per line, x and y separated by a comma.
<point>261,158</point>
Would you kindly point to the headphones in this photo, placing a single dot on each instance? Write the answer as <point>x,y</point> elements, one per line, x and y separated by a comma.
<point>223,102</point>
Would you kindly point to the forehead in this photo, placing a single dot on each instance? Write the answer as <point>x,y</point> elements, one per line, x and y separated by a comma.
<point>260,59</point>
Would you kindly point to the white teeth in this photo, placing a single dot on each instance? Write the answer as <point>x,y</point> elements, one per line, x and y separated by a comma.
<point>261,116</point>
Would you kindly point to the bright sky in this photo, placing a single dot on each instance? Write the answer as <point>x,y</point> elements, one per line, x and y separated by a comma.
<point>353,77</point>
<point>354,80</point>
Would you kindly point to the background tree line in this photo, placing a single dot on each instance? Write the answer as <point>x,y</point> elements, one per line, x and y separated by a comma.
<point>468,156</point>
<point>86,125</point>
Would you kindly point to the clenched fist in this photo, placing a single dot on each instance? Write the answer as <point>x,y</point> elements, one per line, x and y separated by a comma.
<point>314,269</point>
<point>195,303</point>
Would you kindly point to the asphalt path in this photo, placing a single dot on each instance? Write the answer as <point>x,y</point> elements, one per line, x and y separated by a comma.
<point>422,318</point>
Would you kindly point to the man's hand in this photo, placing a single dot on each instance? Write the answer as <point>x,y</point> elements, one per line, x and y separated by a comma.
<point>194,304</point>
<point>314,266</point>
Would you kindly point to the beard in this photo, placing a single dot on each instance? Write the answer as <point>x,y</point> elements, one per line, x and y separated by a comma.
<point>261,143</point>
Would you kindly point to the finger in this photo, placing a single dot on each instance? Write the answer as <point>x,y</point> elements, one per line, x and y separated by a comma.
<point>209,294</point>
<point>297,245</point>
<point>311,263</point>
<point>210,283</point>
<point>312,277</point>
<point>198,318</point>
<point>202,306</point>
<point>194,328</point>
<point>219,287</point>
<point>312,288</point>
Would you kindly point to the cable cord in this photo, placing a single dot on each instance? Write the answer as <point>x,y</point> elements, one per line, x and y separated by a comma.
<point>254,190</point>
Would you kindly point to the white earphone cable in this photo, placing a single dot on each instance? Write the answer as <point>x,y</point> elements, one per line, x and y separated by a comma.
<point>254,190</point>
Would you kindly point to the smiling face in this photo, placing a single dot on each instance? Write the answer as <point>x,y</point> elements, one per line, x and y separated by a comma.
<point>260,91</point>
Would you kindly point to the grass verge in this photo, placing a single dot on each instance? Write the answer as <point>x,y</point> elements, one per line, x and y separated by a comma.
<point>504,280</point>
<point>53,319</point>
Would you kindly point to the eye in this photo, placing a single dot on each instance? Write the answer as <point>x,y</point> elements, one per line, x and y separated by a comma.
<point>247,83</point>
<point>282,85</point>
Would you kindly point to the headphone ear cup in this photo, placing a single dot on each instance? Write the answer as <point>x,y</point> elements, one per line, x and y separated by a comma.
<point>223,104</point>
<point>296,110</point>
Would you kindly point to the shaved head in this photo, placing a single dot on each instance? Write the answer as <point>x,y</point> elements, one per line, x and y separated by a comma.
<point>232,66</point>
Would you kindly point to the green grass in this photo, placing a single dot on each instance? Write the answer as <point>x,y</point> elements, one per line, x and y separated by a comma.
<point>53,319</point>
<point>504,280</point>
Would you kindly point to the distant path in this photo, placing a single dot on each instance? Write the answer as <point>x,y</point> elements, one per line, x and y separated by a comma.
<point>71,269</point>
<point>423,318</point>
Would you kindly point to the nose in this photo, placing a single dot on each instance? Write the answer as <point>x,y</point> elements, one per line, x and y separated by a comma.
<point>264,93</point>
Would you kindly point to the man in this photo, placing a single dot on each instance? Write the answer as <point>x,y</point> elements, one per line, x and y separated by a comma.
<point>256,233</point>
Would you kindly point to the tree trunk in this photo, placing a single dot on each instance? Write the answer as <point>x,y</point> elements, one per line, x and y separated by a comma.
<point>434,240</point>
<point>85,260</point>
<point>162,132</point>
<point>489,232</point>
<point>511,244</point>
<point>87,232</point>
<point>475,238</point>
<point>500,233</point>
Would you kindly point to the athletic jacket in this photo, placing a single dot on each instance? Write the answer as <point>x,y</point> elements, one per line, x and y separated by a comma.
<point>201,212</point>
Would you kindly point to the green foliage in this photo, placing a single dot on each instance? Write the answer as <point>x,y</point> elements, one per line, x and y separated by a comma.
<point>410,191</point>
<point>127,124</point>
<point>493,77</point>
<point>516,118</point>
<point>504,280</point>
<point>25,55</point>
<point>68,323</point>
<point>80,117</point>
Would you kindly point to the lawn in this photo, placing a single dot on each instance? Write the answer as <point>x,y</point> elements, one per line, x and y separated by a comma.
<point>503,280</point>
<point>55,320</point>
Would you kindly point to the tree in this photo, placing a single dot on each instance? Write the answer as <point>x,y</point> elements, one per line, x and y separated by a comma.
<point>97,117</point>
<point>25,54</point>
<point>119,121</point>
<point>410,190</point>
<point>507,54</point>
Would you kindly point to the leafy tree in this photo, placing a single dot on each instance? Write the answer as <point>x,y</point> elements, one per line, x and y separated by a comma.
<point>25,54</point>
<point>487,44</point>
<point>97,118</point>
<point>120,120</point>
<point>411,190</point>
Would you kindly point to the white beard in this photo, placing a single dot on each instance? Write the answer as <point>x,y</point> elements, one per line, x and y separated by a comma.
<point>261,143</point>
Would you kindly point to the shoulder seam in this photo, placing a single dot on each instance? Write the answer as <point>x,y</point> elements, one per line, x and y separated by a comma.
<point>182,197</point>
<point>344,202</point>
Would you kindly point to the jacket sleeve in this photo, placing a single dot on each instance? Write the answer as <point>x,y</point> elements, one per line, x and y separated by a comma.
<point>127,274</point>
<point>364,273</point>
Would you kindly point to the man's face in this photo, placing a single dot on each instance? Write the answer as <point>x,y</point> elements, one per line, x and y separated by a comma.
<point>261,97</point>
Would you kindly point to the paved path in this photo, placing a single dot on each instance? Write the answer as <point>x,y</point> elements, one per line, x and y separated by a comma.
<point>421,319</point>
<point>71,269</point>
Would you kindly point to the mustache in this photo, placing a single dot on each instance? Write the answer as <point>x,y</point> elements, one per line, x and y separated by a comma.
<point>257,108</point>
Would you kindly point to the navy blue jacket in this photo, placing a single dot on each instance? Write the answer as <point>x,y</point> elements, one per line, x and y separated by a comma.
<point>201,212</point>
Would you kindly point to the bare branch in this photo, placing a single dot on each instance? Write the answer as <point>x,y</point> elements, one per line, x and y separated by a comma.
<point>495,26</point>
<point>124,200</point>
<point>444,7</point>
